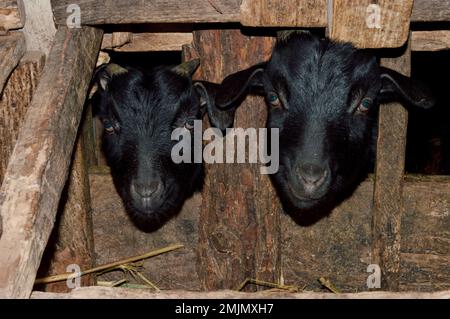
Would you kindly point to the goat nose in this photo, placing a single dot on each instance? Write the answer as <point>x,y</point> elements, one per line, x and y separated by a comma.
<point>147,189</point>
<point>312,176</point>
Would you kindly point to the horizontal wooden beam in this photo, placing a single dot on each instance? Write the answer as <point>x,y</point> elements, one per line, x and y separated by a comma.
<point>431,11</point>
<point>12,14</point>
<point>222,11</point>
<point>146,42</point>
<point>39,164</point>
<point>157,11</point>
<point>12,48</point>
<point>124,293</point>
<point>430,40</point>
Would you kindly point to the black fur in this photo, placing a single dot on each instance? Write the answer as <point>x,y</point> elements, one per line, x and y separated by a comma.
<point>139,111</point>
<point>324,132</point>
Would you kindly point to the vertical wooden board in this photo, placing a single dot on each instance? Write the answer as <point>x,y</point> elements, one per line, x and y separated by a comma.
<point>425,235</point>
<point>116,238</point>
<point>384,24</point>
<point>72,241</point>
<point>39,165</point>
<point>337,247</point>
<point>239,219</point>
<point>284,13</point>
<point>389,173</point>
<point>12,14</point>
<point>15,101</point>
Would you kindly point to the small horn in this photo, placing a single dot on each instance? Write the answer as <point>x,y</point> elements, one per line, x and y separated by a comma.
<point>283,36</point>
<point>115,69</point>
<point>187,68</point>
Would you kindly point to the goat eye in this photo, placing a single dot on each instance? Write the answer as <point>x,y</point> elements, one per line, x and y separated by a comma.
<point>189,125</point>
<point>111,128</point>
<point>364,106</point>
<point>273,99</point>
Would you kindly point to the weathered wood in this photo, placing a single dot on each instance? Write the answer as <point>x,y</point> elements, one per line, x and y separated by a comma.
<point>300,13</point>
<point>431,10</point>
<point>147,42</point>
<point>12,48</point>
<point>116,237</point>
<point>39,26</point>
<point>239,221</point>
<point>430,40</point>
<point>12,14</point>
<point>158,11</point>
<point>368,25</point>
<point>72,239</point>
<point>116,39</point>
<point>114,293</point>
<point>425,236</point>
<point>389,173</point>
<point>337,247</point>
<point>14,103</point>
<point>40,161</point>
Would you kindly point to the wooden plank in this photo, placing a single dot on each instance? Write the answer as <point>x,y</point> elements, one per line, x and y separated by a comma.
<point>430,40</point>
<point>368,25</point>
<point>177,270</point>
<point>281,13</point>
<point>425,234</point>
<point>431,10</point>
<point>12,14</point>
<point>114,293</point>
<point>336,247</point>
<point>15,101</point>
<point>239,227</point>
<point>12,48</point>
<point>72,239</point>
<point>40,161</point>
<point>39,26</point>
<point>389,173</point>
<point>147,42</point>
<point>116,39</point>
<point>157,11</point>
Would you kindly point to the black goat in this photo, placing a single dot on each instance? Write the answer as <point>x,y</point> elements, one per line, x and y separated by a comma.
<point>139,111</point>
<point>323,97</point>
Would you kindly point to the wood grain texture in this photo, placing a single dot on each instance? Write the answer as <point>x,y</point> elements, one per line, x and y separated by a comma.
<point>431,10</point>
<point>155,11</point>
<point>39,29</point>
<point>337,247</point>
<point>282,13</point>
<point>12,48</point>
<point>389,173</point>
<point>116,237</point>
<point>239,221</point>
<point>114,293</point>
<point>12,14</point>
<point>116,39</point>
<point>147,42</point>
<point>430,40</point>
<point>40,161</point>
<point>72,239</point>
<point>353,21</point>
<point>425,235</point>
<point>14,103</point>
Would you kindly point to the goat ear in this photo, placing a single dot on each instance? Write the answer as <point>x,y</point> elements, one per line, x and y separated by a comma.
<point>188,68</point>
<point>235,87</point>
<point>105,73</point>
<point>396,86</point>
<point>207,91</point>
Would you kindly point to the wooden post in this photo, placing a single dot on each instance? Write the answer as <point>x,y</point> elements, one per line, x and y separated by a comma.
<point>73,239</point>
<point>40,161</point>
<point>388,208</point>
<point>239,224</point>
